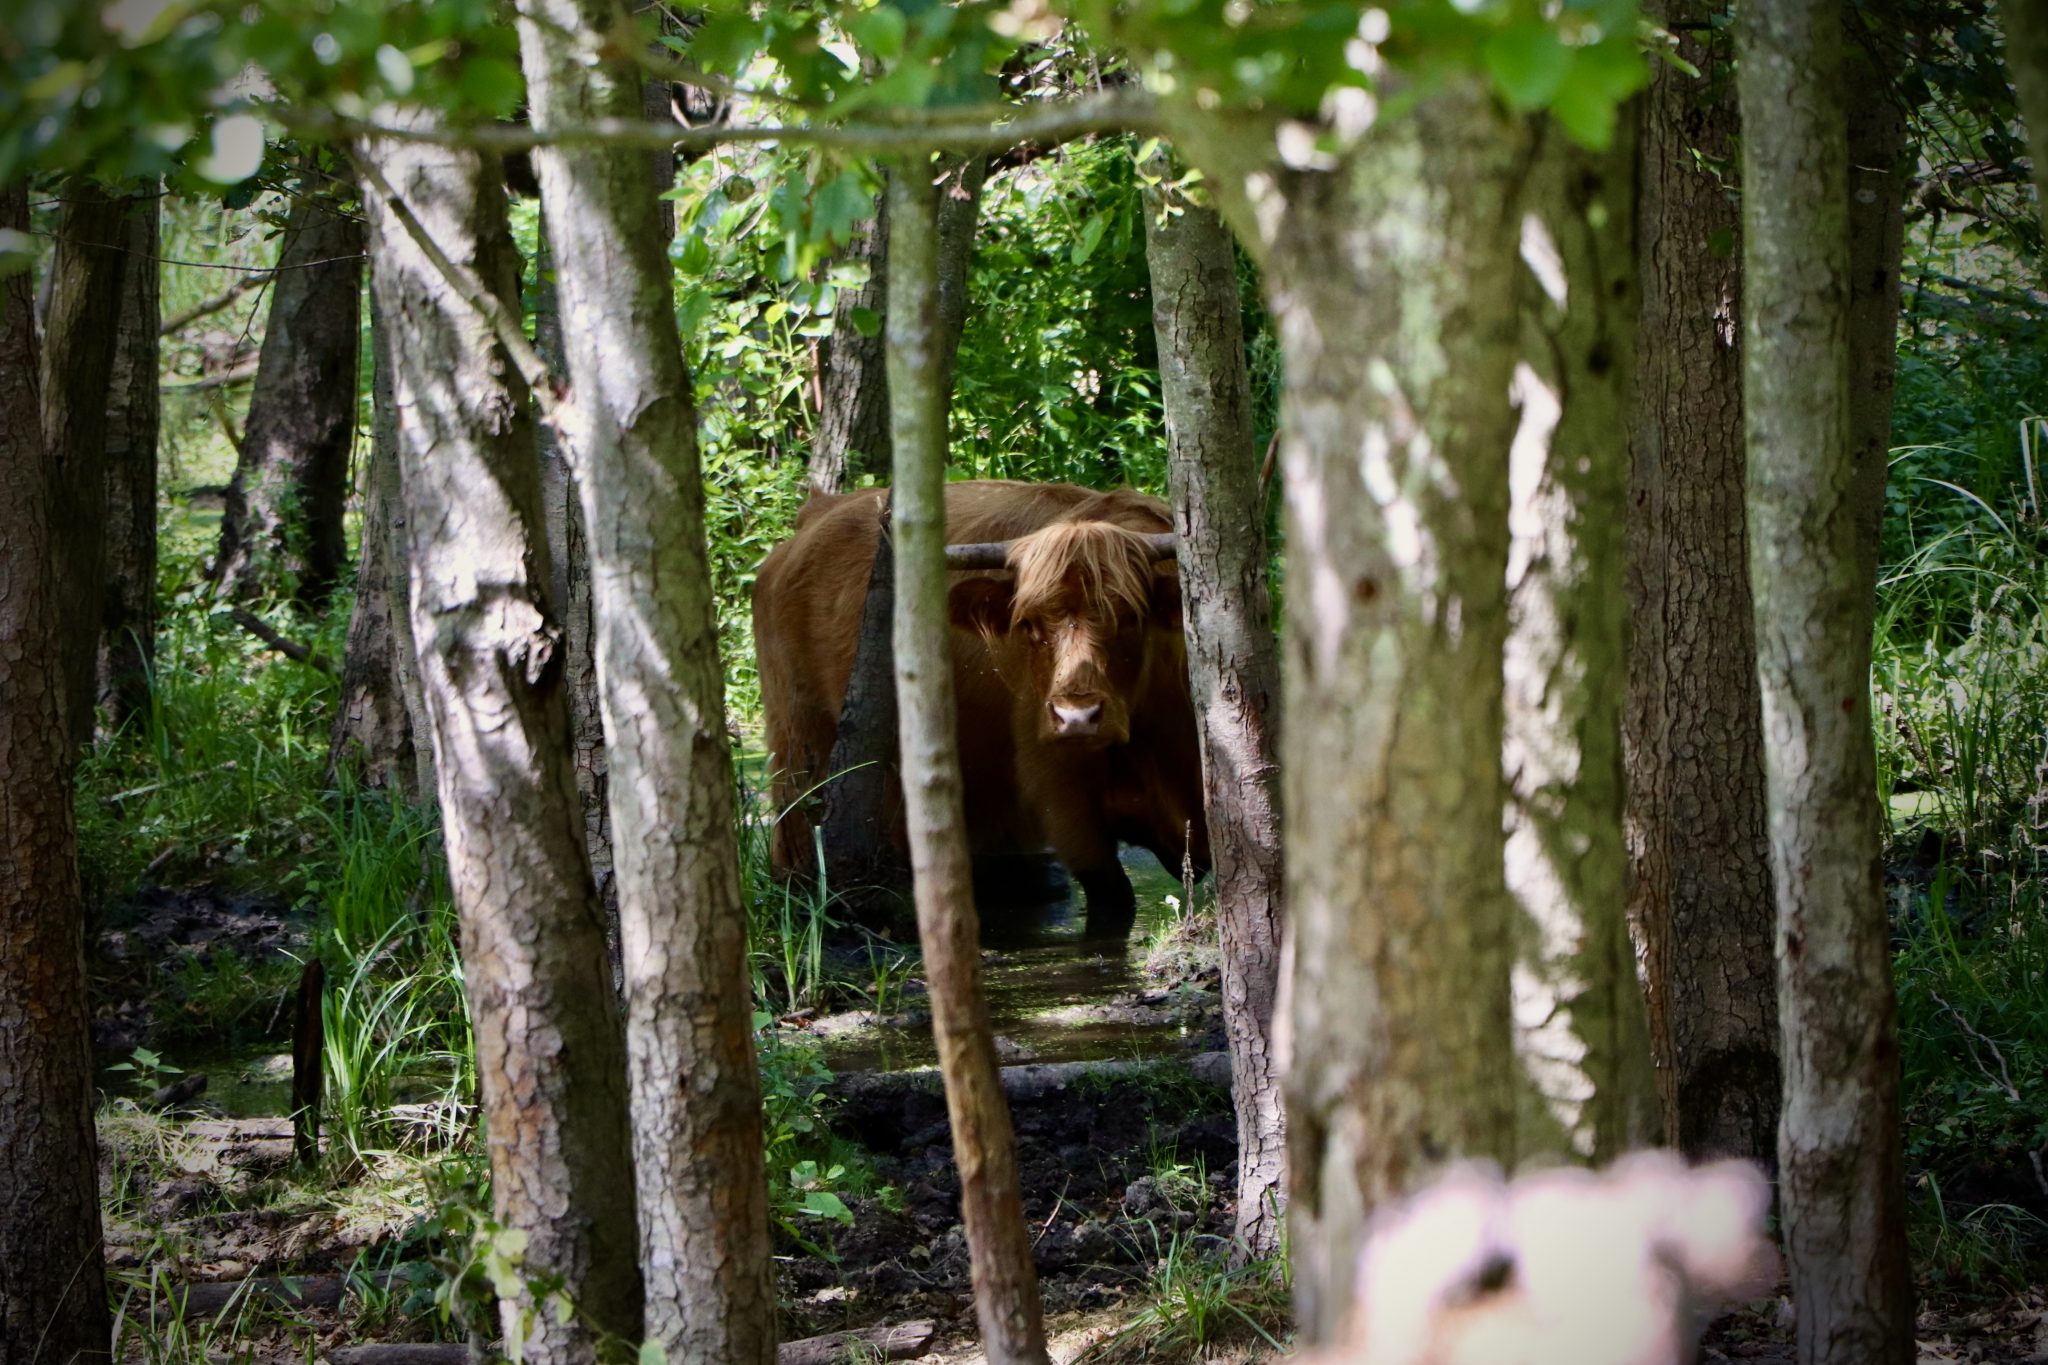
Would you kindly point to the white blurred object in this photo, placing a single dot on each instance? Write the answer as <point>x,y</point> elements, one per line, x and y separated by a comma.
<point>1559,1267</point>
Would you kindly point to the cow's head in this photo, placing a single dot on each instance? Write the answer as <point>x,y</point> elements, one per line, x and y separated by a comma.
<point>1082,601</point>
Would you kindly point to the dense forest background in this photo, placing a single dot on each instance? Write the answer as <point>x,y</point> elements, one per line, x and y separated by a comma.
<point>228,833</point>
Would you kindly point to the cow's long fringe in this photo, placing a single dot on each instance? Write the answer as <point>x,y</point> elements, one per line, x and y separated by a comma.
<point>1107,565</point>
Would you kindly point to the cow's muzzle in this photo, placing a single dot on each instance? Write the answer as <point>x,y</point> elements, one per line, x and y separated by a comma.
<point>1076,717</point>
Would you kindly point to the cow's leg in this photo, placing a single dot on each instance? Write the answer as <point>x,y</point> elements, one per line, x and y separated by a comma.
<point>1112,905</point>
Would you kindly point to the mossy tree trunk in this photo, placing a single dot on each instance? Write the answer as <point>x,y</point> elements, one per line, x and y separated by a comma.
<point>1580,1022</point>
<point>1841,1176</point>
<point>281,530</point>
<point>53,1304</point>
<point>550,1051</point>
<point>984,1148</point>
<point>1389,274</point>
<point>629,423</point>
<point>1700,877</point>
<point>1233,656</point>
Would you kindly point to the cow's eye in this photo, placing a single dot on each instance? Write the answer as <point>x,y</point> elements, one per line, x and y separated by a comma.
<point>1034,632</point>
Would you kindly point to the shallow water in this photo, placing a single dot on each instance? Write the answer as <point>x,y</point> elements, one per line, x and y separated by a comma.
<point>1037,967</point>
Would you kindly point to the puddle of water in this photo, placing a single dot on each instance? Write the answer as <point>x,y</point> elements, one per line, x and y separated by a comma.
<point>238,1083</point>
<point>1038,961</point>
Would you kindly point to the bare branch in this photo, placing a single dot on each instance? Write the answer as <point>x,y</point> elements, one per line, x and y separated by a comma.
<point>178,322</point>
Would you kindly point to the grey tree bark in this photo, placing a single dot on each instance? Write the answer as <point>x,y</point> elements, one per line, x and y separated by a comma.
<point>2026,58</point>
<point>53,1305</point>
<point>1700,880</point>
<point>78,353</point>
<point>1581,1028</point>
<point>1878,175</point>
<point>630,427</point>
<point>373,734</point>
<point>1233,658</point>
<point>550,1053</point>
<point>984,1149</point>
<point>1841,1170</point>
<point>282,530</point>
<point>569,559</point>
<point>1387,278</point>
<point>853,420</point>
<point>127,636</point>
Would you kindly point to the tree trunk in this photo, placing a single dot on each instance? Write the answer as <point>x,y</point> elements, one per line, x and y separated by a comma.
<point>1580,1024</point>
<point>984,1150</point>
<point>127,636</point>
<point>1387,275</point>
<point>862,822</point>
<point>550,1056</point>
<point>1878,172</point>
<point>630,426</point>
<point>1700,880</point>
<point>53,1305</point>
<point>2026,57</point>
<point>373,727</point>
<point>853,423</point>
<point>281,530</point>
<point>1233,659</point>
<point>79,345</point>
<point>569,559</point>
<point>1841,1172</point>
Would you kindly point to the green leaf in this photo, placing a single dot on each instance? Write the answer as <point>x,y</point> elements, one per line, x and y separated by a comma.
<point>866,321</point>
<point>1091,237</point>
<point>652,1354</point>
<point>1528,62</point>
<point>880,30</point>
<point>492,84</point>
<point>825,1204</point>
<point>1586,114</point>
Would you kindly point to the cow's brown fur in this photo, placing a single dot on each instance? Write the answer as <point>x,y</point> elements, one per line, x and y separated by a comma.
<point>1079,566</point>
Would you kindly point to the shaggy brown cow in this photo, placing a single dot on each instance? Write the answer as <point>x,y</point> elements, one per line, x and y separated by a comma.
<point>1076,730</point>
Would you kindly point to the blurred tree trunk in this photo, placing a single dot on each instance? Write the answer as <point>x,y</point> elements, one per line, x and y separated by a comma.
<point>1233,657</point>
<point>373,732</point>
<point>2026,57</point>
<point>53,1304</point>
<point>127,636</point>
<point>569,561</point>
<point>1841,1176</point>
<point>853,423</point>
<point>1394,263</point>
<point>629,424</point>
<point>281,530</point>
<point>79,346</point>
<point>984,1148</point>
<point>1700,879</point>
<point>1580,1022</point>
<point>1878,172</point>
<point>550,1055</point>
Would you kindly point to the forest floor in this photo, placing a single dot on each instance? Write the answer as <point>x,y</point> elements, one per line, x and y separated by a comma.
<point>1126,1168</point>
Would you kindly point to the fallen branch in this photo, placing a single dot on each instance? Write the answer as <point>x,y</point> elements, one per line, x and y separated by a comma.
<point>291,649</point>
<point>1032,1080</point>
<point>177,322</point>
<point>216,381</point>
<point>900,1341</point>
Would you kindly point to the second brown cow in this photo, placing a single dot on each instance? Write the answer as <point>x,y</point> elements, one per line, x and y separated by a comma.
<point>1076,728</point>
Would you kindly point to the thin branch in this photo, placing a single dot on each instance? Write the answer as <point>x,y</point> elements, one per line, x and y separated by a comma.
<point>2003,1080</point>
<point>466,285</point>
<point>291,649</point>
<point>216,381</point>
<point>178,322</point>
<point>981,129</point>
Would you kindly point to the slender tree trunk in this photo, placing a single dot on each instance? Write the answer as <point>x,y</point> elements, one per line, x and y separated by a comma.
<point>1841,1171</point>
<point>630,426</point>
<point>984,1150</point>
<point>1388,276</point>
<point>79,345</point>
<point>1580,1022</point>
<point>862,821</point>
<point>1700,879</point>
<point>853,423</point>
<point>373,727</point>
<point>2026,57</point>
<point>1878,171</point>
<point>550,1056</point>
<point>282,530</point>
<point>569,557</point>
<point>53,1306</point>
<point>1233,659</point>
<point>127,643</point>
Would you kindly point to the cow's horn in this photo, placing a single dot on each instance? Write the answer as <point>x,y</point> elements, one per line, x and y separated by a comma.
<point>995,554</point>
